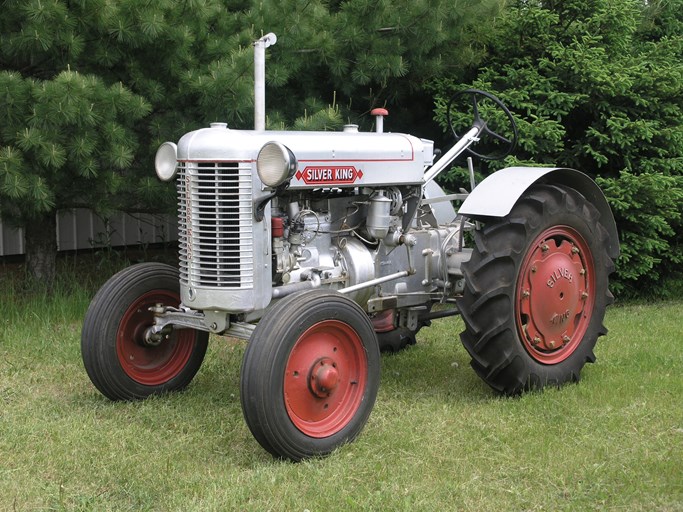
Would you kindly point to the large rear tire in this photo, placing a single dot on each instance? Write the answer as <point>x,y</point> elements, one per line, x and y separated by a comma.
<point>536,291</point>
<point>118,360</point>
<point>310,375</point>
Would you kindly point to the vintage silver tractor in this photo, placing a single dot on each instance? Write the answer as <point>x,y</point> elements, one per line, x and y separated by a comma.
<point>323,248</point>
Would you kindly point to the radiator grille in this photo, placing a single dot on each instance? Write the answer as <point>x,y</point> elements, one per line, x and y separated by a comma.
<point>215,224</point>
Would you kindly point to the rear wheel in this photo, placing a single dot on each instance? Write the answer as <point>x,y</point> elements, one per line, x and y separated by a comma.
<point>536,291</point>
<point>310,375</point>
<point>120,361</point>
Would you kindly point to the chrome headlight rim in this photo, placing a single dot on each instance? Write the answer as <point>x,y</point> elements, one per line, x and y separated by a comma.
<point>166,161</point>
<point>275,164</point>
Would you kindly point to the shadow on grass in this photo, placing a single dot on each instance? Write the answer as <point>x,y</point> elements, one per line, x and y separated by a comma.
<point>437,365</point>
<point>209,412</point>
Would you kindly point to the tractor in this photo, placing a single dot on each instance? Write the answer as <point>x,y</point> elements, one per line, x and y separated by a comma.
<point>323,248</point>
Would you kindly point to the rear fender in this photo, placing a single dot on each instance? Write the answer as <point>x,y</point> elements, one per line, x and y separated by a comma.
<point>498,193</point>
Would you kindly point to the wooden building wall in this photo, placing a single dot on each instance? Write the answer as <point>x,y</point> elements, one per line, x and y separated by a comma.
<point>81,229</point>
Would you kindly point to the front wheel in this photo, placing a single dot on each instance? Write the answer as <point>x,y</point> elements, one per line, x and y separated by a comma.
<point>536,291</point>
<point>120,362</point>
<point>310,375</point>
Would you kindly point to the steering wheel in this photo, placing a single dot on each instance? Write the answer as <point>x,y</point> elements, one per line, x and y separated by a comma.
<point>502,145</point>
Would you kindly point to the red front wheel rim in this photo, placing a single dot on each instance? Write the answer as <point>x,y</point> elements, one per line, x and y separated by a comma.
<point>152,365</point>
<point>325,378</point>
<point>555,294</point>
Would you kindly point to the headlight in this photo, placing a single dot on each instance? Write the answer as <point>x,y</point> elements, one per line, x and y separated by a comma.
<point>275,164</point>
<point>166,161</point>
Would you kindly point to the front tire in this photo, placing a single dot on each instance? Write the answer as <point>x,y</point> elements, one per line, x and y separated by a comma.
<point>310,375</point>
<point>119,362</point>
<point>536,291</point>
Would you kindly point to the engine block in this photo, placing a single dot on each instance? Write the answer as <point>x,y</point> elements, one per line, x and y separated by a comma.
<point>341,216</point>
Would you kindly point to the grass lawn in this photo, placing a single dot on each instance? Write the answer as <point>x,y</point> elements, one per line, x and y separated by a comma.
<point>438,438</point>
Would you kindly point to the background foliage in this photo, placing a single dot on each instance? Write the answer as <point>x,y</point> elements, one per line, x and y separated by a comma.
<point>91,87</point>
<point>598,86</point>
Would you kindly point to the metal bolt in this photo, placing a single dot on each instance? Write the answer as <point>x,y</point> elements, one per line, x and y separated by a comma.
<point>575,250</point>
<point>534,270</point>
<point>551,344</point>
<point>157,309</point>
<point>584,295</point>
<point>582,272</point>
<point>565,339</point>
<point>525,294</point>
<point>536,341</point>
<point>545,248</point>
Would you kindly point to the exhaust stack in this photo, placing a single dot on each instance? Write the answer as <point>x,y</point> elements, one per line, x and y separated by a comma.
<point>260,79</point>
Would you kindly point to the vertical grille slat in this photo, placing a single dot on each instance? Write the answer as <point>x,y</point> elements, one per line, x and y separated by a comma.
<point>215,224</point>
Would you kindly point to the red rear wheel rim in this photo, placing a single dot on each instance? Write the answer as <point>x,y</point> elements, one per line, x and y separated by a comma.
<point>555,294</point>
<point>325,378</point>
<point>146,364</point>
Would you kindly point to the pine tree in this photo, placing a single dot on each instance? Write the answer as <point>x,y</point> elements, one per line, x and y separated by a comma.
<point>362,54</point>
<point>90,88</point>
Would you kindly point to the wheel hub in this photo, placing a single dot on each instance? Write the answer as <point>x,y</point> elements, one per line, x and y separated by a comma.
<point>554,295</point>
<point>151,360</point>
<point>324,378</point>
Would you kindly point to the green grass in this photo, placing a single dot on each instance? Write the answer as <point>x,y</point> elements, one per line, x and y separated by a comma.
<point>438,438</point>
